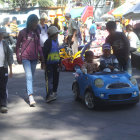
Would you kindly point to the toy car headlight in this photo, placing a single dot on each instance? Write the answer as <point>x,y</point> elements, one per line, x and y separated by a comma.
<point>99,83</point>
<point>133,80</point>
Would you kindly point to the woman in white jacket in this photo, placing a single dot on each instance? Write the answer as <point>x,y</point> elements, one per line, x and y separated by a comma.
<point>132,37</point>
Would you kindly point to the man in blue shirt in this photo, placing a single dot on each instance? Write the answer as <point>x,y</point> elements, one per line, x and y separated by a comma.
<point>92,30</point>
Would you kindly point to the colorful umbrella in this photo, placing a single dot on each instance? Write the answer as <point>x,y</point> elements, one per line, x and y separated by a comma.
<point>133,13</point>
<point>118,12</point>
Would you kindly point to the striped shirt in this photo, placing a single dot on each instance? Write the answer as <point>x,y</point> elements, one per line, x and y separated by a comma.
<point>14,28</point>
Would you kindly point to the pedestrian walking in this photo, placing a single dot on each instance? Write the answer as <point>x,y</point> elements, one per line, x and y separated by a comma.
<point>120,45</point>
<point>132,37</point>
<point>72,33</point>
<point>79,37</point>
<point>6,58</point>
<point>27,50</point>
<point>49,23</point>
<point>92,30</point>
<point>14,27</point>
<point>56,20</point>
<point>8,36</point>
<point>43,29</point>
<point>52,61</point>
<point>86,34</point>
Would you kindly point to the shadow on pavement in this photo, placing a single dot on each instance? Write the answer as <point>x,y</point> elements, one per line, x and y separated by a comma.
<point>63,119</point>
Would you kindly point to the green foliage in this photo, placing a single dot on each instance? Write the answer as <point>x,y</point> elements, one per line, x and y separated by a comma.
<point>45,3</point>
<point>117,3</point>
<point>27,3</point>
<point>62,2</point>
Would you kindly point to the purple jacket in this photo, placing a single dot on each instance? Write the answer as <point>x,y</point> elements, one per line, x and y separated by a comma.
<point>30,45</point>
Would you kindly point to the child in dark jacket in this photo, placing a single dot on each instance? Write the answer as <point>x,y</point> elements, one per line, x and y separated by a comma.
<point>52,60</point>
<point>108,62</point>
<point>6,59</point>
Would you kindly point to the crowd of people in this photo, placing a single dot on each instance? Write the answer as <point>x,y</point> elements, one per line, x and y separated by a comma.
<point>38,41</point>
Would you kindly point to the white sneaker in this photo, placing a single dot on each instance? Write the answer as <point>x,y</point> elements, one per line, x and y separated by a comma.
<point>4,109</point>
<point>52,97</point>
<point>31,101</point>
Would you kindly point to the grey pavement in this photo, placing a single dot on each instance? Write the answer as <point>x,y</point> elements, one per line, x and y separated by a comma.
<point>63,119</point>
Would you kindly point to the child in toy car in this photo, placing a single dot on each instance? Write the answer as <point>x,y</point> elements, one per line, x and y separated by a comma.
<point>108,62</point>
<point>89,65</point>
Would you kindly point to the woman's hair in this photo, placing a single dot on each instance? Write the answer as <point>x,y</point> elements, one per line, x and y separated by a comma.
<point>31,19</point>
<point>55,21</point>
<point>129,27</point>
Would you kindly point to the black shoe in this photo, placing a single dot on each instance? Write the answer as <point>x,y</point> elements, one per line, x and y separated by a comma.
<point>50,98</point>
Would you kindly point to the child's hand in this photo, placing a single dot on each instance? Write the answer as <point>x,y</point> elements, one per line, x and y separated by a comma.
<point>72,39</point>
<point>84,71</point>
<point>111,67</point>
<point>42,66</point>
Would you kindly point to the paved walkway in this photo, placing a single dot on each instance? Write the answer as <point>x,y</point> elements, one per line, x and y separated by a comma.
<point>63,119</point>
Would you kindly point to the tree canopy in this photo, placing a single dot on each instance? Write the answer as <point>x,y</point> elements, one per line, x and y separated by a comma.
<point>25,3</point>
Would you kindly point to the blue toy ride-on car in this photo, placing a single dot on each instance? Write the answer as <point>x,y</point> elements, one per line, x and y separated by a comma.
<point>105,88</point>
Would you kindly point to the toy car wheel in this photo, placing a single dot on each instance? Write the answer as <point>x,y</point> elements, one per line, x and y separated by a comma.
<point>89,100</point>
<point>75,89</point>
<point>76,67</point>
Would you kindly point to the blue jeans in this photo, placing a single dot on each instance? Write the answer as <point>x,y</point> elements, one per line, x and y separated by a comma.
<point>29,67</point>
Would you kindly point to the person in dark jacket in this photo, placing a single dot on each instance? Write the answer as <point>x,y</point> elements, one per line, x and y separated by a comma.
<point>120,45</point>
<point>52,60</point>
<point>6,58</point>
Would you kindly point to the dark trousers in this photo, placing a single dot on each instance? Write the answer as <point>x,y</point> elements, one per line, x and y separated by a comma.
<point>3,84</point>
<point>92,36</point>
<point>69,41</point>
<point>52,78</point>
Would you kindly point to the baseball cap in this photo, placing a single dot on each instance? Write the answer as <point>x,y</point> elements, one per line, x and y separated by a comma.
<point>106,46</point>
<point>52,30</point>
